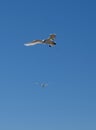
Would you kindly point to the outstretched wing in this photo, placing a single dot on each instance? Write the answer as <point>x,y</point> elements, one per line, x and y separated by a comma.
<point>52,36</point>
<point>33,43</point>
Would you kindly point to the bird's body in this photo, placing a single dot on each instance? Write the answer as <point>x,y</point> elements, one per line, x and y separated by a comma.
<point>49,41</point>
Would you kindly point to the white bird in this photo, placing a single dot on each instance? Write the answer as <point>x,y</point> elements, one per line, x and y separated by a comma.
<point>50,41</point>
<point>42,84</point>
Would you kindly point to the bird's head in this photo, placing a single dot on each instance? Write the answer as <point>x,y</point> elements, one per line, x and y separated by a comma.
<point>54,43</point>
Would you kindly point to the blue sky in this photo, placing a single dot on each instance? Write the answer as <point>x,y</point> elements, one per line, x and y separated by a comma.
<point>69,68</point>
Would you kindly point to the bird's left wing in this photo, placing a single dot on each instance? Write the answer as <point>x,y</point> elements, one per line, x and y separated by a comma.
<point>33,43</point>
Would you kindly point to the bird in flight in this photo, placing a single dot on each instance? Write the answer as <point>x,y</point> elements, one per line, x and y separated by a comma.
<point>42,84</point>
<point>50,41</point>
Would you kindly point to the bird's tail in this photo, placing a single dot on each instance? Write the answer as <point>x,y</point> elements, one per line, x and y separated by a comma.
<point>27,44</point>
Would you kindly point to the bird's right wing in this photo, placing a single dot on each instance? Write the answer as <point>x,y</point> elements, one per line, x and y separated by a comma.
<point>52,36</point>
<point>33,43</point>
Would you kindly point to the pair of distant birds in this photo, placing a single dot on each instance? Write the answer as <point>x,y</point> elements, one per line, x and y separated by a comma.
<point>50,41</point>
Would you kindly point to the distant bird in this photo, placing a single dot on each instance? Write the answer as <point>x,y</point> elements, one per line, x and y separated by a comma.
<point>42,84</point>
<point>50,41</point>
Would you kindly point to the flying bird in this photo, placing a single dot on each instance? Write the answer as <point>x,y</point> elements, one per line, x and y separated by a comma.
<point>50,41</point>
<point>42,84</point>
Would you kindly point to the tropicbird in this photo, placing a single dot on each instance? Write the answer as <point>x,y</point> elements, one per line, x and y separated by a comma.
<point>50,41</point>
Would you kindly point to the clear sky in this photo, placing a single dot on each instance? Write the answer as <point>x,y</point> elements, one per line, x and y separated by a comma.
<point>69,68</point>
